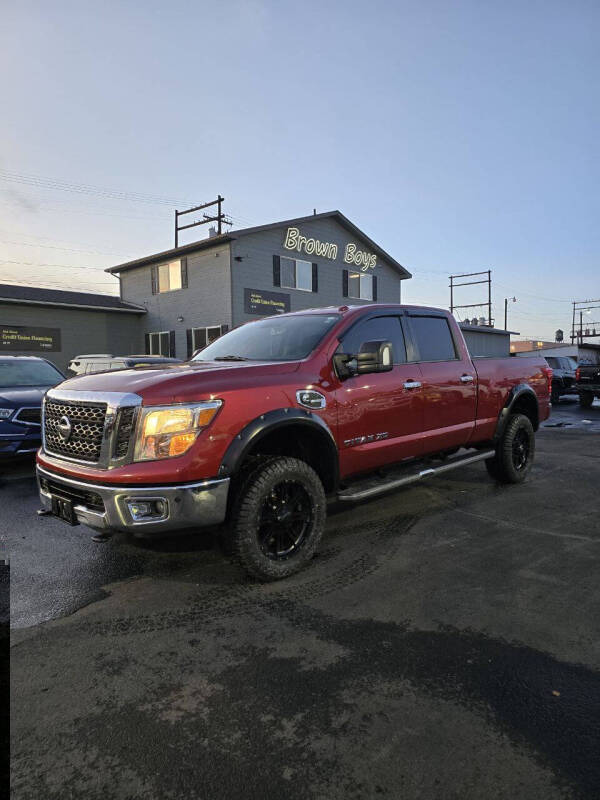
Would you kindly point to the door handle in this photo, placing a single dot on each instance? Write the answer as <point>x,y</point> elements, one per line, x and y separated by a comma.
<point>466,378</point>
<point>412,385</point>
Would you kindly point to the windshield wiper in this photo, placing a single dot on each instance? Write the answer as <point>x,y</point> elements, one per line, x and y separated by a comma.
<point>230,358</point>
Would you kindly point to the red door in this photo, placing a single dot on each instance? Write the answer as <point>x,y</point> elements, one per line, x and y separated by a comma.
<point>380,415</point>
<point>449,383</point>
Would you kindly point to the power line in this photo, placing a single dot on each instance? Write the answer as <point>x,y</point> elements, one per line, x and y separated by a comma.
<point>41,182</point>
<point>43,264</point>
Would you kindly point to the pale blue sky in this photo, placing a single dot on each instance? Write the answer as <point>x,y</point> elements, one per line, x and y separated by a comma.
<point>460,136</point>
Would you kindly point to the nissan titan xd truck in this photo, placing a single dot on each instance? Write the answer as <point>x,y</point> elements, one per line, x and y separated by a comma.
<point>274,418</point>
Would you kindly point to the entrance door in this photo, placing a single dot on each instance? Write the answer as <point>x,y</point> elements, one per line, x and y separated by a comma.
<point>380,415</point>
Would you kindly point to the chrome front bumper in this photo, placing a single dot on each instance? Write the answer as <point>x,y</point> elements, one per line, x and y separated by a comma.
<point>108,508</point>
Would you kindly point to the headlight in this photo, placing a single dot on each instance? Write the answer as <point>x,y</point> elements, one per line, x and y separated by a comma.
<point>5,412</point>
<point>168,431</point>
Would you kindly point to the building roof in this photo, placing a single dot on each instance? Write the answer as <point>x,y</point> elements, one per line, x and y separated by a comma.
<point>205,244</point>
<point>33,295</point>
<point>464,326</point>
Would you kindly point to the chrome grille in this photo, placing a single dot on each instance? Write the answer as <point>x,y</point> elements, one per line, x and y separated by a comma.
<point>87,429</point>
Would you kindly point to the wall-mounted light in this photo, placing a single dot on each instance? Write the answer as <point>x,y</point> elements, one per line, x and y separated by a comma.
<point>180,319</point>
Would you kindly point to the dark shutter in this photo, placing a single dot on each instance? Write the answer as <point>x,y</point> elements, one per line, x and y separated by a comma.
<point>190,343</point>
<point>345,283</point>
<point>172,344</point>
<point>276,271</point>
<point>147,343</point>
<point>315,278</point>
<point>224,329</point>
<point>154,271</point>
<point>374,288</point>
<point>184,274</point>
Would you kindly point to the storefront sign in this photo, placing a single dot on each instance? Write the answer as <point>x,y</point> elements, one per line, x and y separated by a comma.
<point>294,240</point>
<point>23,337</point>
<point>256,301</point>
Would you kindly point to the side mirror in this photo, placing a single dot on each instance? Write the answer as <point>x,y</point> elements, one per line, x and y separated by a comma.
<point>375,357</point>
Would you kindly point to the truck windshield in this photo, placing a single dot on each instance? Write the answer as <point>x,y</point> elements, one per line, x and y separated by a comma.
<point>273,339</point>
<point>28,373</point>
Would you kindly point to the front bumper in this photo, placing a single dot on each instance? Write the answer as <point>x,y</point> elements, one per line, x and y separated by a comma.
<point>108,508</point>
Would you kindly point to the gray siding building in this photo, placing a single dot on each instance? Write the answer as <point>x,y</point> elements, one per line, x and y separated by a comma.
<point>58,325</point>
<point>192,294</point>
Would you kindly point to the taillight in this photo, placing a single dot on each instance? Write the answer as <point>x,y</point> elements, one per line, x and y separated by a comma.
<point>549,372</point>
<point>577,374</point>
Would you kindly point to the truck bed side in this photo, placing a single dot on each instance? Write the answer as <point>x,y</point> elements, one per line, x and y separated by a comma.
<point>497,378</point>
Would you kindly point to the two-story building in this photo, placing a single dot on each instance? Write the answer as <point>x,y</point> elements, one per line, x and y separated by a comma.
<point>194,293</point>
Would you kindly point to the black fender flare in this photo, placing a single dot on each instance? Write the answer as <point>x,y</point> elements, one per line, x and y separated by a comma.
<point>280,418</point>
<point>516,393</point>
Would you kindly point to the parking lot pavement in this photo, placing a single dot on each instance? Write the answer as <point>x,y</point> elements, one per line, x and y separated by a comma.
<point>443,644</point>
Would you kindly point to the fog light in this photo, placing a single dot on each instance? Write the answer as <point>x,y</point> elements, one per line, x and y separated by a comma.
<point>142,510</point>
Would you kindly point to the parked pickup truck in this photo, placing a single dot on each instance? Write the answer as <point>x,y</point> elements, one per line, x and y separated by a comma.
<point>275,416</point>
<point>587,383</point>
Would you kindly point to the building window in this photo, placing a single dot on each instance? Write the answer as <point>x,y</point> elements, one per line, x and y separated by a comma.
<point>198,338</point>
<point>158,344</point>
<point>360,286</point>
<point>296,274</point>
<point>170,276</point>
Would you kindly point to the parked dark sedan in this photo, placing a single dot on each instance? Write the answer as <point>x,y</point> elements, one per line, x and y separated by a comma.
<point>23,382</point>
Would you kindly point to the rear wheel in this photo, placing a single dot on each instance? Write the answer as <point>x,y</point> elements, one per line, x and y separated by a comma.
<point>279,519</point>
<point>586,399</point>
<point>515,451</point>
<point>555,393</point>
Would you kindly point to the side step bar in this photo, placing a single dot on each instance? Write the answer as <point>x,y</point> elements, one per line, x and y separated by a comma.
<point>370,487</point>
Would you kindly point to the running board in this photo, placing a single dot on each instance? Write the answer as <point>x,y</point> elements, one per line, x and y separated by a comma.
<point>370,487</point>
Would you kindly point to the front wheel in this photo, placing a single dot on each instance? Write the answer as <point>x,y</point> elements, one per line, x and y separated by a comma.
<point>515,451</point>
<point>279,519</point>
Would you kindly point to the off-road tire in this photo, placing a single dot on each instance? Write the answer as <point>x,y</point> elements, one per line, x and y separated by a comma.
<point>236,491</point>
<point>586,399</point>
<point>515,451</point>
<point>249,507</point>
<point>555,392</point>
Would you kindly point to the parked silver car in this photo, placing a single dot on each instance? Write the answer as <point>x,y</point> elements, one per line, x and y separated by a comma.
<point>101,362</point>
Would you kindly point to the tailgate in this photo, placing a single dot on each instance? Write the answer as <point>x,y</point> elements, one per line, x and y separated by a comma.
<point>589,374</point>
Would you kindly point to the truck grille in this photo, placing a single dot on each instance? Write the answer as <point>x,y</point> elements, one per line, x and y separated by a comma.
<point>87,429</point>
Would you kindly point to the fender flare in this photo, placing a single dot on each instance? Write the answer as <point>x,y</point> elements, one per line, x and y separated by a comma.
<point>515,394</point>
<point>279,418</point>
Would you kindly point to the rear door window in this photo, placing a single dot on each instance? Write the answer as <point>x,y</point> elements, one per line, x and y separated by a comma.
<point>433,338</point>
<point>367,335</point>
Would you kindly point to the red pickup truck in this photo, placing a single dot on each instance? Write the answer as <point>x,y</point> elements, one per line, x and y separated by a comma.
<point>267,421</point>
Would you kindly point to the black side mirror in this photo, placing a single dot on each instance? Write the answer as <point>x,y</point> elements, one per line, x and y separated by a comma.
<point>377,358</point>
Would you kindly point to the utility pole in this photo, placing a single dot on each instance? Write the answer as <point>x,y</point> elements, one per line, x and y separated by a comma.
<point>506,299</point>
<point>487,280</point>
<point>220,219</point>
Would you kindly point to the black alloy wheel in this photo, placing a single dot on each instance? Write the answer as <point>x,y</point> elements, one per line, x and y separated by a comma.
<point>286,517</point>
<point>520,449</point>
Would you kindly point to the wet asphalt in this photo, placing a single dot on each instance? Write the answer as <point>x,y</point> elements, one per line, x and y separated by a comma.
<point>443,644</point>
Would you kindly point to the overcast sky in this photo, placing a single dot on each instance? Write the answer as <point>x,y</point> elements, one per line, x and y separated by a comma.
<point>461,136</point>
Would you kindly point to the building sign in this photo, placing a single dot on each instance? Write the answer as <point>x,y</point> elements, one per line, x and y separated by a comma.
<point>265,303</point>
<point>294,240</point>
<point>23,337</point>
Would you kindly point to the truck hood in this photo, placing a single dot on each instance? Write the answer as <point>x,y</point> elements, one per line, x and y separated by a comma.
<point>181,382</point>
<point>22,396</point>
